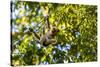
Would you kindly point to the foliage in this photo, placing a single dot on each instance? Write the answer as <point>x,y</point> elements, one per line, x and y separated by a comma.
<point>77,39</point>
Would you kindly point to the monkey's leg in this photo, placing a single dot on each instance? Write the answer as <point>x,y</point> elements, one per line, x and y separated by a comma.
<point>42,39</point>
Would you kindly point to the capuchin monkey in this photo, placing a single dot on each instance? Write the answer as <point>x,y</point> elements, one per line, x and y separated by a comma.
<point>49,37</point>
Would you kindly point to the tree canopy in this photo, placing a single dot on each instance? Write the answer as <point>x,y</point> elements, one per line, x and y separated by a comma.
<point>77,38</point>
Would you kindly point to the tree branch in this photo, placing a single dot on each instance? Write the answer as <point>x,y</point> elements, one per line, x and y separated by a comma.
<point>36,35</point>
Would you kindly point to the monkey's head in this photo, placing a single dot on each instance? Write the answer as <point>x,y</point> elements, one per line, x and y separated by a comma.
<point>54,31</point>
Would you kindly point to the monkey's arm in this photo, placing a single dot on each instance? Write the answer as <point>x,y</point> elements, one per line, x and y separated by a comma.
<point>46,12</point>
<point>47,22</point>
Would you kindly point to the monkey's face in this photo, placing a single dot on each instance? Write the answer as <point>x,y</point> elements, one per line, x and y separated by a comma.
<point>54,31</point>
